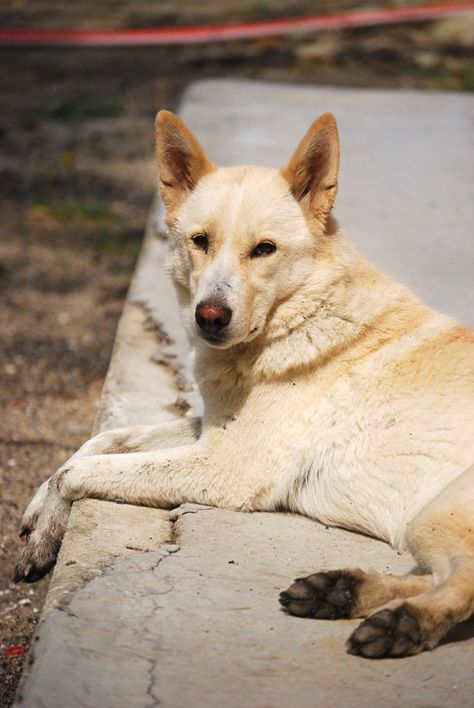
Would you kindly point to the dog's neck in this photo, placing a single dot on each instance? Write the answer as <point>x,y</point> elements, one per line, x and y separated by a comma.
<point>344,303</point>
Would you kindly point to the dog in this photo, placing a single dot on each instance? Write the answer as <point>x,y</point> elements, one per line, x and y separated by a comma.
<point>329,390</point>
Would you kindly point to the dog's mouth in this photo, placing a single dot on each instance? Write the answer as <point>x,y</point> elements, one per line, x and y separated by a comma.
<point>222,341</point>
<point>214,340</point>
<point>227,338</point>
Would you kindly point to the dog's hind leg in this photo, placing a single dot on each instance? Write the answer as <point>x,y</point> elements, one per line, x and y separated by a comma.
<point>349,593</point>
<point>143,438</point>
<point>441,538</point>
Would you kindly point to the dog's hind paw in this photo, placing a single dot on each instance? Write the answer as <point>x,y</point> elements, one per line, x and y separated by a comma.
<point>387,633</point>
<point>329,595</point>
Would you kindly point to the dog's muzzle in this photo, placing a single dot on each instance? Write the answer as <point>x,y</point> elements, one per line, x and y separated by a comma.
<point>212,318</point>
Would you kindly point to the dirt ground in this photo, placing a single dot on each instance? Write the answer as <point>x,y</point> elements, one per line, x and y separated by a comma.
<point>76,182</point>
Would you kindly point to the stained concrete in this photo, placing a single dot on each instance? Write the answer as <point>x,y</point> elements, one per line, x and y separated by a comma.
<point>148,608</point>
<point>99,533</point>
<point>201,627</point>
<point>149,366</point>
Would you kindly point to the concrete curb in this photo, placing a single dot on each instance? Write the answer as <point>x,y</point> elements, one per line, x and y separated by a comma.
<point>146,608</point>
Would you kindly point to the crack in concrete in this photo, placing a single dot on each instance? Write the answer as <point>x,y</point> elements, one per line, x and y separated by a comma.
<point>66,609</point>
<point>132,565</point>
<point>163,551</point>
<point>67,593</point>
<point>150,691</point>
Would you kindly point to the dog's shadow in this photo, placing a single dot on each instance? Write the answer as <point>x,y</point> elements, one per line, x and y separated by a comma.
<point>460,633</point>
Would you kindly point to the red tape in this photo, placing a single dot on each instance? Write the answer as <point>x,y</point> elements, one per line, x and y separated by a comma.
<point>220,33</point>
<point>14,651</point>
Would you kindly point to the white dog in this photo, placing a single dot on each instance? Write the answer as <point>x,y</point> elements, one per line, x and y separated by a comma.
<point>328,390</point>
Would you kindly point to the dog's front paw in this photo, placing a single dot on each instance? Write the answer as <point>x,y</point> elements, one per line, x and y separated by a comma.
<point>387,633</point>
<point>33,510</point>
<point>43,543</point>
<point>327,595</point>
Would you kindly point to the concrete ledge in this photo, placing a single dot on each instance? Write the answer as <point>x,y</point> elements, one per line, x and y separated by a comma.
<point>147,608</point>
<point>149,369</point>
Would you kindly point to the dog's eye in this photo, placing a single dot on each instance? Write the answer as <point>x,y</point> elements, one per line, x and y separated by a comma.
<point>263,249</point>
<point>201,241</point>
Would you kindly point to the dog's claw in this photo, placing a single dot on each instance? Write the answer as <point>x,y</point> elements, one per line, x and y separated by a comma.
<point>25,532</point>
<point>35,561</point>
<point>28,575</point>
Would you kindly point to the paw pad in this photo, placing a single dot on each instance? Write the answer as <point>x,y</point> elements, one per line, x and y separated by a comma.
<point>328,595</point>
<point>388,633</point>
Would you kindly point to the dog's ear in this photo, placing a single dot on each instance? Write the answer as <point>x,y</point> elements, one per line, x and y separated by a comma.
<point>181,160</point>
<point>313,169</point>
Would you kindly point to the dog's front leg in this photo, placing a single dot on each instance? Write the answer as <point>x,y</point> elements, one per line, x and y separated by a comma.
<point>142,438</point>
<point>135,438</point>
<point>205,473</point>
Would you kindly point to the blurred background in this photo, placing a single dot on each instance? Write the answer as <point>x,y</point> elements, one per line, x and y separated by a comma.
<point>77,177</point>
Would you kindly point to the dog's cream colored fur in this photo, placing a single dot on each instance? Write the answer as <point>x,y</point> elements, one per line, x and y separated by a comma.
<point>333,392</point>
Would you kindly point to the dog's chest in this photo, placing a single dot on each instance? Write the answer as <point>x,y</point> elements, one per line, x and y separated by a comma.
<point>355,453</point>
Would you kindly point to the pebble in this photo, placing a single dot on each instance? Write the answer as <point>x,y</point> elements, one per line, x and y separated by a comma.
<point>77,429</point>
<point>64,318</point>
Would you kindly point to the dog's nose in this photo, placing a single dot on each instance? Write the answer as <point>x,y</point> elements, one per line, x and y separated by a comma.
<point>212,317</point>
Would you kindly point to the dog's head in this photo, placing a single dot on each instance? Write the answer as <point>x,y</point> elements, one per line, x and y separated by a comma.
<point>243,239</point>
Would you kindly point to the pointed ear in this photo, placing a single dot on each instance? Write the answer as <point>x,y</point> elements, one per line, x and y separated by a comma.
<point>313,170</point>
<point>181,159</point>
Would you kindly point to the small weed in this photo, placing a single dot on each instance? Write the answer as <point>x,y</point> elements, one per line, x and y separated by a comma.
<point>69,210</point>
<point>113,241</point>
<point>261,12</point>
<point>437,76</point>
<point>86,225</point>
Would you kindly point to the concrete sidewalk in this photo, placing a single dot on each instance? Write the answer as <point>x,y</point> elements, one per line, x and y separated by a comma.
<point>149,608</point>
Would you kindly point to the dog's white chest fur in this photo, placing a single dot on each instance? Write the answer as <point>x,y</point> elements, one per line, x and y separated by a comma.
<point>352,450</point>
